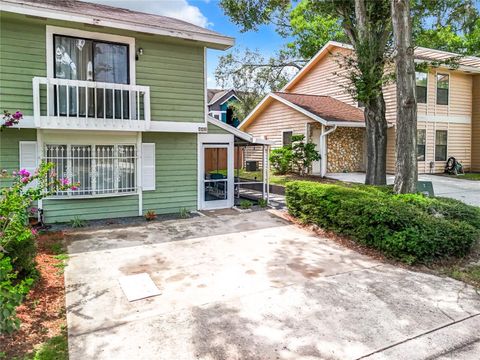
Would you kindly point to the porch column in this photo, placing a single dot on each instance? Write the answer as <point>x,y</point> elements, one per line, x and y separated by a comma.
<point>323,149</point>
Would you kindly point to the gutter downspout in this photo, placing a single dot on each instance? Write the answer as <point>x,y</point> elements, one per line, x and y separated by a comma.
<point>323,149</point>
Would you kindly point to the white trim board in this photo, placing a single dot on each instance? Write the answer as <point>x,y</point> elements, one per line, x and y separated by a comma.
<point>231,96</point>
<point>454,119</point>
<point>238,133</point>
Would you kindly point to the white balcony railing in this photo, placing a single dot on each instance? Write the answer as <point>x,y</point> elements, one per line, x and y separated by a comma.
<point>77,104</point>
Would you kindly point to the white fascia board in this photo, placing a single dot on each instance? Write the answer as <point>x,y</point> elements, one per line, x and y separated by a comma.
<point>238,133</point>
<point>214,41</point>
<point>247,119</point>
<point>232,96</point>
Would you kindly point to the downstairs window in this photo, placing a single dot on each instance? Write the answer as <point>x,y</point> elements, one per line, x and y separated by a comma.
<point>100,169</point>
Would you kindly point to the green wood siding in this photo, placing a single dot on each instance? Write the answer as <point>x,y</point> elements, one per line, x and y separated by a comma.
<point>22,56</point>
<point>214,129</point>
<point>176,173</point>
<point>63,210</point>
<point>174,69</point>
<point>9,149</point>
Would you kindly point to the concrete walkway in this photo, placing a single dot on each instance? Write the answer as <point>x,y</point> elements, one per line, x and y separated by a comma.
<point>467,191</point>
<point>253,286</point>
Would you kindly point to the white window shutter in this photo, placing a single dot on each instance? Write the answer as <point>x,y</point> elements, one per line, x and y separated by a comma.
<point>148,166</point>
<point>28,157</point>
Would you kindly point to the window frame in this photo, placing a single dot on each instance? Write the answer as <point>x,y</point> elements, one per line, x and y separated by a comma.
<point>424,145</point>
<point>94,41</point>
<point>283,134</point>
<point>437,88</point>
<point>417,86</point>
<point>71,193</point>
<point>445,145</point>
<point>90,35</point>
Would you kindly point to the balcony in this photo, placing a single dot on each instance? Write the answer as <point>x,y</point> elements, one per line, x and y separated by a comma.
<point>90,105</point>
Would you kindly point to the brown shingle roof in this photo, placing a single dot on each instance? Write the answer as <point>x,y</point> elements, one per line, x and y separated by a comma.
<point>422,53</point>
<point>326,107</point>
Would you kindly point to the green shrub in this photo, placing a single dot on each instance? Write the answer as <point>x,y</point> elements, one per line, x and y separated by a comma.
<point>262,203</point>
<point>281,160</point>
<point>410,228</point>
<point>245,204</point>
<point>11,295</point>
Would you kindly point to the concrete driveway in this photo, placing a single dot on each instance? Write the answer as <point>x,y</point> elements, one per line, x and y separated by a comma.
<point>253,286</point>
<point>467,191</point>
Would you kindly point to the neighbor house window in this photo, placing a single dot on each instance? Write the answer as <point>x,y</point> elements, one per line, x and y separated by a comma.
<point>442,89</point>
<point>100,169</point>
<point>91,60</point>
<point>441,138</point>
<point>287,138</point>
<point>421,87</point>
<point>421,135</point>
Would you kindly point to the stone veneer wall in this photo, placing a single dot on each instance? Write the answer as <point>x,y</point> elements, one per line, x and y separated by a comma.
<point>345,150</point>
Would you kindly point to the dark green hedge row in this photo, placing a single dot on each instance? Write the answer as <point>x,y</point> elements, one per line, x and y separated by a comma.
<point>411,228</point>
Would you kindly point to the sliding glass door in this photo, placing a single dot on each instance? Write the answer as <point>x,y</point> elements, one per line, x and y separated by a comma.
<point>91,60</point>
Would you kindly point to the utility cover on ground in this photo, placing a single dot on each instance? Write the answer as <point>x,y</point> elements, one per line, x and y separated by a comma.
<point>138,286</point>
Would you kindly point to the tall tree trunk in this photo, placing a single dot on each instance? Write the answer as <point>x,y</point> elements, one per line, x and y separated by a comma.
<point>376,132</point>
<point>406,173</point>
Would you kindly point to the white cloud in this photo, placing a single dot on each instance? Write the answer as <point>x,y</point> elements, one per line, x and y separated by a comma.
<point>179,9</point>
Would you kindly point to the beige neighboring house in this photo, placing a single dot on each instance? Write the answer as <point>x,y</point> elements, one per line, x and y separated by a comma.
<point>316,104</point>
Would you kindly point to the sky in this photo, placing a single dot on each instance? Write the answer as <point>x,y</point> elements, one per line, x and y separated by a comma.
<point>208,14</point>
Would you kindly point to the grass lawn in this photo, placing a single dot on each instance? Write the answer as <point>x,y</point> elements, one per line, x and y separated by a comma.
<point>467,176</point>
<point>42,334</point>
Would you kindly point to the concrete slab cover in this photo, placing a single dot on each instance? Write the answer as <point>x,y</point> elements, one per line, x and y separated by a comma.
<point>138,286</point>
<point>254,286</point>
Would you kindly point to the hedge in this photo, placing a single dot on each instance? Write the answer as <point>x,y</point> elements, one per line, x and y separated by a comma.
<point>411,228</point>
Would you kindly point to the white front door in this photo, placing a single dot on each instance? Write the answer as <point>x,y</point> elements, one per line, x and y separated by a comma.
<point>316,165</point>
<point>217,175</point>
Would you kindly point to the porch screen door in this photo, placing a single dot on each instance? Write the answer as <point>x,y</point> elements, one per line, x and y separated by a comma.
<point>90,60</point>
<point>217,189</point>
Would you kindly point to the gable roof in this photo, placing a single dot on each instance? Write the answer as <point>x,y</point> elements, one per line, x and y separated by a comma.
<point>215,95</point>
<point>115,17</point>
<point>212,92</point>
<point>324,109</point>
<point>466,63</point>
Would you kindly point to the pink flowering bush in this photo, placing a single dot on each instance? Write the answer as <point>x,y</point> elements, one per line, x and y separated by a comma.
<point>17,239</point>
<point>10,119</point>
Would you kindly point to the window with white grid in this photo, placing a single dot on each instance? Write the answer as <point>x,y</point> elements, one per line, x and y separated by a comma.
<point>100,169</point>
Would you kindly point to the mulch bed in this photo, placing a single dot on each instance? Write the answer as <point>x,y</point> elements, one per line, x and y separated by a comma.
<point>42,313</point>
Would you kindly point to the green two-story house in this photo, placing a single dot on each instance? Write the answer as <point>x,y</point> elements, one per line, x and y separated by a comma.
<point>116,99</point>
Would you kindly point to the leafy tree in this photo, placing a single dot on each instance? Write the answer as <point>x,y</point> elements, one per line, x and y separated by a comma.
<point>367,26</point>
<point>253,76</point>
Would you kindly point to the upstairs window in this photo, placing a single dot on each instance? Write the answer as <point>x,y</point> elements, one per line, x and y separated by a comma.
<point>287,138</point>
<point>441,140</point>
<point>421,144</point>
<point>442,89</point>
<point>91,60</point>
<point>421,87</point>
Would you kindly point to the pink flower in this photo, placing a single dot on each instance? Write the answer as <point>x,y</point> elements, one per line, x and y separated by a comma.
<point>74,188</point>
<point>14,173</point>
<point>64,181</point>
<point>24,173</point>
<point>17,116</point>
<point>24,180</point>
<point>34,232</point>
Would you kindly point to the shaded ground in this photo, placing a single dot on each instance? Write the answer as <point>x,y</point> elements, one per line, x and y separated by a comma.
<point>254,286</point>
<point>42,314</point>
<point>464,190</point>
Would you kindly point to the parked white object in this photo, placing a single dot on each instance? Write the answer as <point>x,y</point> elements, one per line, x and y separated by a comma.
<point>138,286</point>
